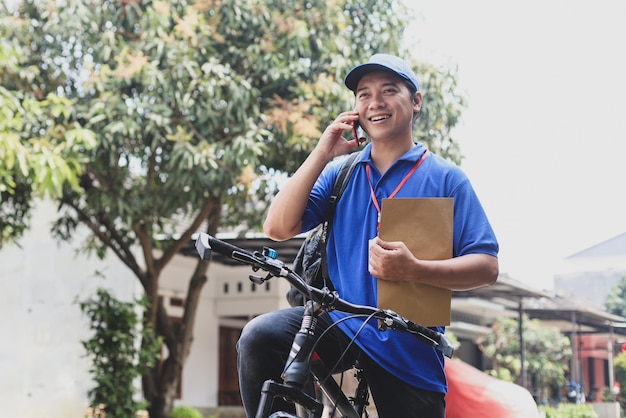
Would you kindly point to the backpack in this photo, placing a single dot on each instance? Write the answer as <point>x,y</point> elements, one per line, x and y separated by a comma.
<point>310,263</point>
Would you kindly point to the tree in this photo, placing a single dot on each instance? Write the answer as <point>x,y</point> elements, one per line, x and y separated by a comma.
<point>41,143</point>
<point>615,301</point>
<point>195,105</point>
<point>547,352</point>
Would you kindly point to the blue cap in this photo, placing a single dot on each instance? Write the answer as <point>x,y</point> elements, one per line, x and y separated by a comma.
<point>379,62</point>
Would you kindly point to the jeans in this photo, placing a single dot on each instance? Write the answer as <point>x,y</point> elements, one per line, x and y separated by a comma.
<point>264,346</point>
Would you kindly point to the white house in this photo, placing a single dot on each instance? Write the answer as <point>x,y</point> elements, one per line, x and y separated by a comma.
<point>590,274</point>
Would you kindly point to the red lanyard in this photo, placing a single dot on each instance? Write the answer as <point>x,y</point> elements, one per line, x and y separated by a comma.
<point>392,195</point>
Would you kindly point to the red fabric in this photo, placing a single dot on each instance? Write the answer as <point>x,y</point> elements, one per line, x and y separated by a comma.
<point>474,394</point>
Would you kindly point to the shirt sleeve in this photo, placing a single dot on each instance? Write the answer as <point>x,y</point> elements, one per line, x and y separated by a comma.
<point>473,233</point>
<point>317,206</point>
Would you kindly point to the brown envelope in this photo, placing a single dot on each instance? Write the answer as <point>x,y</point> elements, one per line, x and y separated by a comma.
<point>425,226</point>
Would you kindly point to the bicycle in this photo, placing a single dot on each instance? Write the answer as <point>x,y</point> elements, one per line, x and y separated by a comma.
<point>302,364</point>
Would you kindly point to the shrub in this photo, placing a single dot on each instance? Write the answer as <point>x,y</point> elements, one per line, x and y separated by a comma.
<point>116,359</point>
<point>183,411</point>
<point>569,410</point>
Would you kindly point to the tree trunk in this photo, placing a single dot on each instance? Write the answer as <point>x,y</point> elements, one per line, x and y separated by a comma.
<point>161,386</point>
<point>161,406</point>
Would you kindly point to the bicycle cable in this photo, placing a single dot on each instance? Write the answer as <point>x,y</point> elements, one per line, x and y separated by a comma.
<point>345,350</point>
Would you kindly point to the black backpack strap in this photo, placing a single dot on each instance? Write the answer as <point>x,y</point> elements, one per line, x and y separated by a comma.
<point>343,177</point>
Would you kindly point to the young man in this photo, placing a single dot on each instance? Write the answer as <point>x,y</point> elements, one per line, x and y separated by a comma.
<point>406,375</point>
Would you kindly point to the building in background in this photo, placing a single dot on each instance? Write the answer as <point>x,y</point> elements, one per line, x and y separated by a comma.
<point>590,274</point>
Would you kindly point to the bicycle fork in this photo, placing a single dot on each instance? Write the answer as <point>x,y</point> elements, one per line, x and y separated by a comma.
<point>296,373</point>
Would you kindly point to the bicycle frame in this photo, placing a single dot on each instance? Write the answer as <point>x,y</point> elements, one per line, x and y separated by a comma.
<point>301,365</point>
<point>356,407</point>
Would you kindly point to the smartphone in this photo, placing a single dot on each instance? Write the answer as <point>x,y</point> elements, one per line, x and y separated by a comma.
<point>358,132</point>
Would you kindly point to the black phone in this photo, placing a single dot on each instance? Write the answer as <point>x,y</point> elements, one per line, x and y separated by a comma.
<point>358,132</point>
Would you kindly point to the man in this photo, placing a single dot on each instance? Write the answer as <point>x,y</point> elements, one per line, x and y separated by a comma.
<point>406,375</point>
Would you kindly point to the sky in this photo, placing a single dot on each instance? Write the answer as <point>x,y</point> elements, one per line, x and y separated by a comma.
<point>544,132</point>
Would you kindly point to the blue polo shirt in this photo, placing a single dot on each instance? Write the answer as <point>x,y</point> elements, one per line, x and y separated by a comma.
<point>355,223</point>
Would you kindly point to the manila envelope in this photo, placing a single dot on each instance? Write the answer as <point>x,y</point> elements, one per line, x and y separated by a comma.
<point>425,226</point>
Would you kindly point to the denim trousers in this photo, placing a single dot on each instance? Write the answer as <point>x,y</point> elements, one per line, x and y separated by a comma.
<point>264,346</point>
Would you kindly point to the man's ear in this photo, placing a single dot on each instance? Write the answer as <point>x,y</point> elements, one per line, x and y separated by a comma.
<point>417,101</point>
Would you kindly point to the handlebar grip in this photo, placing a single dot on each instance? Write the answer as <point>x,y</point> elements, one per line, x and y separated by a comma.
<point>205,243</point>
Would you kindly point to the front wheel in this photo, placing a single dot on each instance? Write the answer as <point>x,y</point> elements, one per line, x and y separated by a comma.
<point>283,414</point>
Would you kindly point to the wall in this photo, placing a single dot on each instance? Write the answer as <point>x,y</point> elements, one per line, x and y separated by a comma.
<point>44,371</point>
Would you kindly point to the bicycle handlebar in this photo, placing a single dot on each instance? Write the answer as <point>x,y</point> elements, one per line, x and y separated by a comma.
<point>205,243</point>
